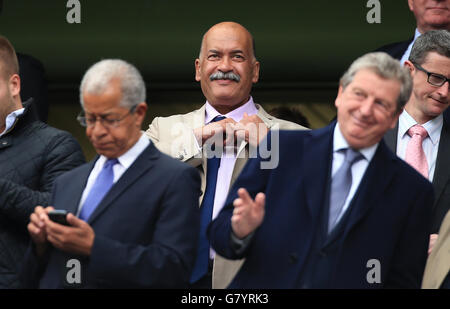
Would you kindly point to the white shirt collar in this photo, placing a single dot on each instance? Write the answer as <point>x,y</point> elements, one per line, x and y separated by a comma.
<point>130,156</point>
<point>340,143</point>
<point>11,119</point>
<point>236,114</point>
<point>433,126</point>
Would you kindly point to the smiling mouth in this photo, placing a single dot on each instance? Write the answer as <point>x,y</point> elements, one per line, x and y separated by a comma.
<point>360,123</point>
<point>439,101</point>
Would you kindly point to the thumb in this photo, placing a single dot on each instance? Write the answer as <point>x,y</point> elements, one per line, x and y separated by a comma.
<point>74,221</point>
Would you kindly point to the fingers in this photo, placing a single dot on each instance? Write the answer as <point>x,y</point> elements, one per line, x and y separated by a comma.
<point>74,221</point>
<point>243,194</point>
<point>260,201</point>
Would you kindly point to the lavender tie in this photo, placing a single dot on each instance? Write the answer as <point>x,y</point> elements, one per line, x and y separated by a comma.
<point>340,186</point>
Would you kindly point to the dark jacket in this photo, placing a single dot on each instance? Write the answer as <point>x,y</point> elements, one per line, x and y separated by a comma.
<point>387,220</point>
<point>32,155</point>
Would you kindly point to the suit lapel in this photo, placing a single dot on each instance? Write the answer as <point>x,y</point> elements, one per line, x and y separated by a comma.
<point>374,183</point>
<point>78,185</point>
<point>140,166</point>
<point>442,170</point>
<point>390,138</point>
<point>319,152</point>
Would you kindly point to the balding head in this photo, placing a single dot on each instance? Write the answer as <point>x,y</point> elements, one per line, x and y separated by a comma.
<point>227,26</point>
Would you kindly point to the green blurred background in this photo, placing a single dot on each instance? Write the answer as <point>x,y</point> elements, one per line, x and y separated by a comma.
<point>303,47</point>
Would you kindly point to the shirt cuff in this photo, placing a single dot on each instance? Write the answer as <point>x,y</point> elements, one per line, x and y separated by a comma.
<point>240,245</point>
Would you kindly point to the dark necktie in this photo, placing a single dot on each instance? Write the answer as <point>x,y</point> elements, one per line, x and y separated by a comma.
<point>101,186</point>
<point>340,186</point>
<point>206,210</point>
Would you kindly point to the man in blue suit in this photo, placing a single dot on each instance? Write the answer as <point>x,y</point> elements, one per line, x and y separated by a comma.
<point>340,210</point>
<point>133,218</point>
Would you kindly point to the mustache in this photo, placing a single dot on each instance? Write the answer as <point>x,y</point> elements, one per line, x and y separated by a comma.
<point>228,75</point>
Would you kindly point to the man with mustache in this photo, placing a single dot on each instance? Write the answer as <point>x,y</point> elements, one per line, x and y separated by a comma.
<point>226,69</point>
<point>422,135</point>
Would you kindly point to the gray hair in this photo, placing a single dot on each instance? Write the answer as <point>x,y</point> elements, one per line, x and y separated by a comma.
<point>385,66</point>
<point>432,41</point>
<point>99,75</point>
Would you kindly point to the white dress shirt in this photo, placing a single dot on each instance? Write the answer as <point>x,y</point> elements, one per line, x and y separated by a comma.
<point>125,162</point>
<point>408,50</point>
<point>358,168</point>
<point>430,144</point>
<point>11,119</point>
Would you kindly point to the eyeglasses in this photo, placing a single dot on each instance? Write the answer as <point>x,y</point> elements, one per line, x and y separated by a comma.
<point>106,121</point>
<point>433,78</point>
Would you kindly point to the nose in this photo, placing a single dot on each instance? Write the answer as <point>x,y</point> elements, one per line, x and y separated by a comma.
<point>98,129</point>
<point>225,64</point>
<point>366,107</point>
<point>443,90</point>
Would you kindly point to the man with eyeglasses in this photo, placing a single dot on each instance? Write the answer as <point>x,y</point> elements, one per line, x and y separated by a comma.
<point>133,212</point>
<point>422,136</point>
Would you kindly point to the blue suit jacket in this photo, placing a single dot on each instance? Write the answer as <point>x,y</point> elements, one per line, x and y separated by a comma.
<point>389,221</point>
<point>396,50</point>
<point>146,228</point>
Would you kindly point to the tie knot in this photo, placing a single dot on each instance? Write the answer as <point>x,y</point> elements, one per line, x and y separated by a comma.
<point>218,118</point>
<point>110,163</point>
<point>352,156</point>
<point>418,130</point>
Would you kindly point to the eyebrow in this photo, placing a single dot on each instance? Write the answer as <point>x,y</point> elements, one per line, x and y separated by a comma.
<point>234,51</point>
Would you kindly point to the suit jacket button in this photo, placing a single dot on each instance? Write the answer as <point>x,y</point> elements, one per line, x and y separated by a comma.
<point>293,258</point>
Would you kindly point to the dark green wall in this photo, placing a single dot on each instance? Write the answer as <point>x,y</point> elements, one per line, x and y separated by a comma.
<point>297,41</point>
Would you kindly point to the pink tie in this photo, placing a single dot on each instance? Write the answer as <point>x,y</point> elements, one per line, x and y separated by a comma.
<point>415,155</point>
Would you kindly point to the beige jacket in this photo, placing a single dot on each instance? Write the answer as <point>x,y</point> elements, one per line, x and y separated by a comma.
<point>173,136</point>
<point>438,263</point>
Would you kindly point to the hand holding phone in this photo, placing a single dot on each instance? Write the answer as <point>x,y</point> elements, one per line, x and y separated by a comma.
<point>59,216</point>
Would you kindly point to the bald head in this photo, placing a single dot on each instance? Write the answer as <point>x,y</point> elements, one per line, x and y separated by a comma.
<point>225,28</point>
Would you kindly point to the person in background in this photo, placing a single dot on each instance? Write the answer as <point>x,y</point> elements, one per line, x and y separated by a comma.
<point>32,155</point>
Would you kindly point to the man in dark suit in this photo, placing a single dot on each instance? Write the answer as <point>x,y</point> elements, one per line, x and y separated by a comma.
<point>429,65</point>
<point>340,210</point>
<point>133,218</point>
<point>429,15</point>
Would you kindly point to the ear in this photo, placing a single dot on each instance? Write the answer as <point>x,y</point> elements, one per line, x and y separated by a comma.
<point>410,66</point>
<point>198,73</point>
<point>337,102</point>
<point>411,5</point>
<point>14,85</point>
<point>140,111</point>
<point>395,118</point>
<point>255,72</point>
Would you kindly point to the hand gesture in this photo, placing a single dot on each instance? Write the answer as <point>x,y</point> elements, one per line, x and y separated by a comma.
<point>248,214</point>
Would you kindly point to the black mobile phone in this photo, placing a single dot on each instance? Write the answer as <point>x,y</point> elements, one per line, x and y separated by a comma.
<point>59,216</point>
